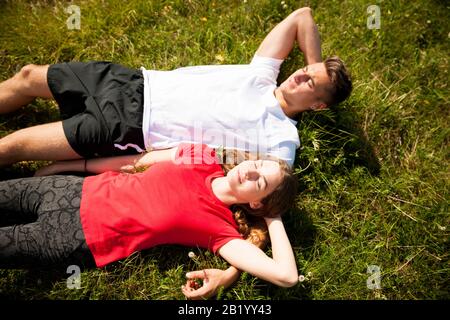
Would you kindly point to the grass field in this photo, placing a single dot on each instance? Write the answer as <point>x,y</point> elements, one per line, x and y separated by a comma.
<point>373,173</point>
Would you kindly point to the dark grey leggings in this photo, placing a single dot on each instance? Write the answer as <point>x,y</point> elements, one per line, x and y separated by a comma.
<point>40,223</point>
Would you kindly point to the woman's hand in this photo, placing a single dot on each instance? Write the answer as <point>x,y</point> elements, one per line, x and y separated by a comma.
<point>140,164</point>
<point>148,159</point>
<point>212,279</point>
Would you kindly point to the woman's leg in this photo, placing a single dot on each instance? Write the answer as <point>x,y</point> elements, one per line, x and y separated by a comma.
<point>56,235</point>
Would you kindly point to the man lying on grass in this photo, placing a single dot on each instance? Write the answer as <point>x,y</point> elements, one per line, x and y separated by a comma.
<point>186,198</point>
<point>109,110</point>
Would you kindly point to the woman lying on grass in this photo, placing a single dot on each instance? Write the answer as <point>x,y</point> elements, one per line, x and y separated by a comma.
<point>187,200</point>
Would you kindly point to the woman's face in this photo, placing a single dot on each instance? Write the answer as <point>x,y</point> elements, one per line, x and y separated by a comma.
<point>251,181</point>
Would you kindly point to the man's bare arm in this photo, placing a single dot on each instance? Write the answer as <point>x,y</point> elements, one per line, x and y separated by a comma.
<point>298,26</point>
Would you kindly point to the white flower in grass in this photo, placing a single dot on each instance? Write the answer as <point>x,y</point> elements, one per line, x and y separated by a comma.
<point>219,58</point>
<point>191,255</point>
<point>301,278</point>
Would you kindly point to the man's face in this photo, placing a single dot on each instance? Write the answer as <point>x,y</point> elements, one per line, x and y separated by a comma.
<point>305,88</point>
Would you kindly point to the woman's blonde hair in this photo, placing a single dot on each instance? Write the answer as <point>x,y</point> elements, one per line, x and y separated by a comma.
<point>251,223</point>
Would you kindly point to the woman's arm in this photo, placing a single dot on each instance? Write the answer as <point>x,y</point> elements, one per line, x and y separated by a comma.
<point>280,270</point>
<point>128,163</point>
<point>213,279</point>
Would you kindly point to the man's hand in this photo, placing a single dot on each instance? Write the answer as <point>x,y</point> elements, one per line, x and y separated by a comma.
<point>212,280</point>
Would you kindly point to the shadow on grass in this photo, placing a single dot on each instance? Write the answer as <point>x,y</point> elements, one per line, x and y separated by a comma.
<point>16,171</point>
<point>340,131</point>
<point>360,152</point>
<point>301,230</point>
<point>38,112</point>
<point>44,283</point>
<point>302,235</point>
<point>30,283</point>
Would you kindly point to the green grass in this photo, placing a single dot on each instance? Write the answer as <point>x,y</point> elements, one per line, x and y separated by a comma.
<point>374,172</point>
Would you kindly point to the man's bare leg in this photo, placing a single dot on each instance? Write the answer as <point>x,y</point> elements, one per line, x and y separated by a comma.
<point>42,142</point>
<point>29,83</point>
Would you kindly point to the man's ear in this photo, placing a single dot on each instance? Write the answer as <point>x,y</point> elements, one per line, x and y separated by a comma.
<point>255,204</point>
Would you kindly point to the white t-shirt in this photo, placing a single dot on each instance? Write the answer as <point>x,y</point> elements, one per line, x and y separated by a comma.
<point>230,106</point>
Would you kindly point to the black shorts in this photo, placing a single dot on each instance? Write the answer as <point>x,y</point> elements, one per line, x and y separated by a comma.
<point>101,105</point>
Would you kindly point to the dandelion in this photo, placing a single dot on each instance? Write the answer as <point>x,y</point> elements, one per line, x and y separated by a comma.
<point>316,145</point>
<point>301,278</point>
<point>191,255</point>
<point>219,58</point>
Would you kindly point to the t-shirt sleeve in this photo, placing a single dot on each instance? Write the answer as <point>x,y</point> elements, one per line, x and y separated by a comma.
<point>225,235</point>
<point>195,153</point>
<point>286,152</point>
<point>270,66</point>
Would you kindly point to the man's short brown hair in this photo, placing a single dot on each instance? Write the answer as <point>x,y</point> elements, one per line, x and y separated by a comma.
<point>341,83</point>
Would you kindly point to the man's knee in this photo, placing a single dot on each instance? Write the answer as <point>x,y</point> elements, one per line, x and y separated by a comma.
<point>32,73</point>
<point>33,79</point>
<point>303,11</point>
<point>26,73</point>
<point>26,70</point>
<point>10,148</point>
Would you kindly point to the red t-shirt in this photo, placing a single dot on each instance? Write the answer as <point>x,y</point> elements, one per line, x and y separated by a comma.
<point>169,203</point>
